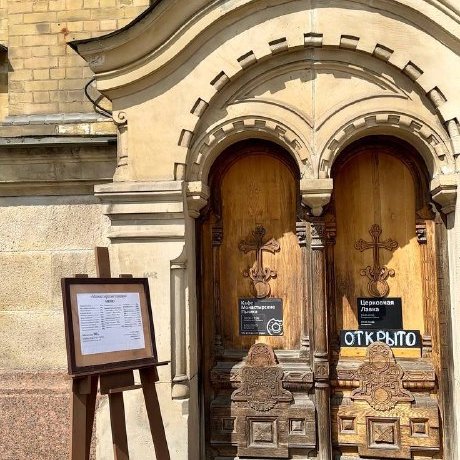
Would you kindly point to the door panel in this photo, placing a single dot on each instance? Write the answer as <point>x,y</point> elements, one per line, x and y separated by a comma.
<point>378,401</point>
<point>253,185</point>
<point>384,400</point>
<point>259,190</point>
<point>376,188</point>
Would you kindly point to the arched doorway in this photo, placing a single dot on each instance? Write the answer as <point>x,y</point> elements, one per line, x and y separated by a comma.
<point>252,280</point>
<point>384,304</point>
<point>356,301</point>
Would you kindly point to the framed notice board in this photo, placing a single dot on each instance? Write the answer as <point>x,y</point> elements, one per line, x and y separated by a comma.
<point>108,324</point>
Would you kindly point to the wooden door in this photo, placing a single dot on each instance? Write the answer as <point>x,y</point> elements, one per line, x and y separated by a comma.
<point>385,397</point>
<point>254,198</point>
<point>376,188</point>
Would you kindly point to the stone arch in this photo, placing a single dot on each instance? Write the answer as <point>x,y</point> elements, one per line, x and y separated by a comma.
<point>315,41</point>
<point>433,142</point>
<point>430,142</point>
<point>204,151</point>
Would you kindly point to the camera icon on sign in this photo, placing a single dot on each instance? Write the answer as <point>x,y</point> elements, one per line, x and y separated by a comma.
<point>275,326</point>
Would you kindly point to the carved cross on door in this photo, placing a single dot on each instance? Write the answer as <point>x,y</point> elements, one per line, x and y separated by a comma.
<point>259,274</point>
<point>377,285</point>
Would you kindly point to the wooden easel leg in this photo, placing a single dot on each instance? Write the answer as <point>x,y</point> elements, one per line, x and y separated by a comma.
<point>148,378</point>
<point>84,393</point>
<point>118,424</point>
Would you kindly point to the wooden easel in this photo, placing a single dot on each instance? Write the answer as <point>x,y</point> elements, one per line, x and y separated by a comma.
<point>84,391</point>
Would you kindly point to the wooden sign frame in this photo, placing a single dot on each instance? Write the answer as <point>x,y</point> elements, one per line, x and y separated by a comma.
<point>80,364</point>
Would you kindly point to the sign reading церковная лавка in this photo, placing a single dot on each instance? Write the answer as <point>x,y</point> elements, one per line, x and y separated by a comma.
<point>261,316</point>
<point>379,313</point>
<point>380,320</point>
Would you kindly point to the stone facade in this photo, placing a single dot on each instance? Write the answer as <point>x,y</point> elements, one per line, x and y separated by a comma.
<point>185,81</point>
<point>53,149</point>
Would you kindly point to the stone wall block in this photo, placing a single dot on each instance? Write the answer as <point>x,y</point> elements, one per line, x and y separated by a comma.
<point>32,340</point>
<point>72,224</point>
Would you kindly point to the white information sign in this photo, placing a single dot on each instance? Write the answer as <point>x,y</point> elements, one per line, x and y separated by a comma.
<point>110,322</point>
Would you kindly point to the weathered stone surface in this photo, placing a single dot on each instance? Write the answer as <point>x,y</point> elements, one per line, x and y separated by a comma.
<point>34,415</point>
<point>32,340</point>
<point>34,277</point>
<point>67,223</point>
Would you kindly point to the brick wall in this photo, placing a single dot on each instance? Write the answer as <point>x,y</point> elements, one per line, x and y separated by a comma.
<point>3,23</point>
<point>46,75</point>
<point>3,62</point>
<point>3,85</point>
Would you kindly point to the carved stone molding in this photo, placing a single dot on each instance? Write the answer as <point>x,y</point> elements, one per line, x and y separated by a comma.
<point>197,197</point>
<point>381,379</point>
<point>55,170</point>
<point>261,380</point>
<point>120,118</point>
<point>204,148</point>
<point>444,191</point>
<point>148,211</point>
<point>435,142</point>
<point>316,193</point>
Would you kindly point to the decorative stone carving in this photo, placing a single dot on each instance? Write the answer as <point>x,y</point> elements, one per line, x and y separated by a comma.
<point>197,197</point>
<point>121,122</point>
<point>381,379</point>
<point>444,191</point>
<point>261,380</point>
<point>435,141</point>
<point>136,208</point>
<point>203,148</point>
<point>316,193</point>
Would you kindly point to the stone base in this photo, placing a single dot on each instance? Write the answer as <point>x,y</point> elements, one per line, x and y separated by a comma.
<point>35,415</point>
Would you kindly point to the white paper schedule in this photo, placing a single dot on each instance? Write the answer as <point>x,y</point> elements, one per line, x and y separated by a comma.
<point>110,322</point>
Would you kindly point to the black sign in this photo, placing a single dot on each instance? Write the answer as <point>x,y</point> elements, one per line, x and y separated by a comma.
<point>261,316</point>
<point>380,313</point>
<point>392,337</point>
